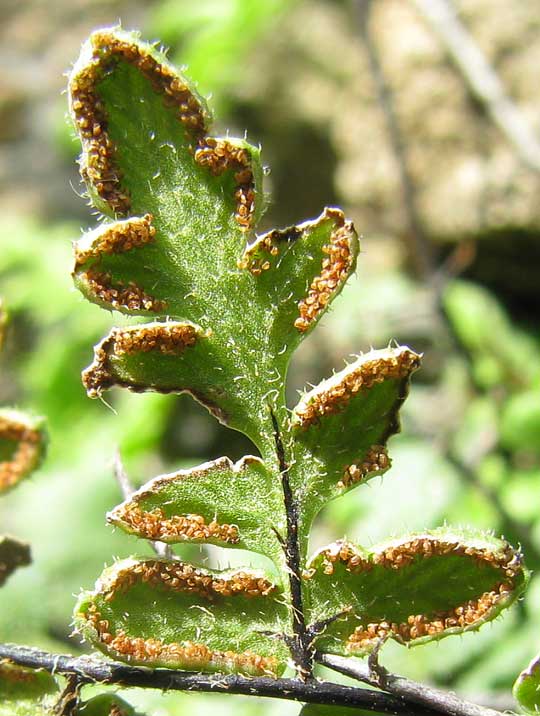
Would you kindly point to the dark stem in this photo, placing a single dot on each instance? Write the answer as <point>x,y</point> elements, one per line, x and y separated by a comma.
<point>90,669</point>
<point>301,644</point>
<point>412,691</point>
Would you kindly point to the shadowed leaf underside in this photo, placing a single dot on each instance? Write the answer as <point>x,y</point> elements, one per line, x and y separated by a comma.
<point>13,554</point>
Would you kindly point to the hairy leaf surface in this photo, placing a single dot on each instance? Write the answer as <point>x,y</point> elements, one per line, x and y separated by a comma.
<point>167,613</point>
<point>413,589</point>
<point>231,505</point>
<point>341,427</point>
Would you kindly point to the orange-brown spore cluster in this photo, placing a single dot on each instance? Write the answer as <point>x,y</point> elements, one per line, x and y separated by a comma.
<point>119,295</point>
<point>334,394</point>
<point>219,155</point>
<point>117,238</point>
<point>168,338</point>
<point>375,460</point>
<point>184,655</point>
<point>335,269</point>
<point>472,612</point>
<point>97,377</point>
<point>98,165</point>
<point>155,525</point>
<point>399,556</point>
<point>179,576</point>
<point>253,259</point>
<point>26,454</point>
<point>257,257</point>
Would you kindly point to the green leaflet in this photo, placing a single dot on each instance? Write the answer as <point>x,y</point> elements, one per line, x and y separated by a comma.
<point>224,311</point>
<point>171,614</point>
<point>26,692</point>
<point>195,200</point>
<point>527,687</point>
<point>219,503</point>
<point>414,589</point>
<point>341,427</point>
<point>299,270</point>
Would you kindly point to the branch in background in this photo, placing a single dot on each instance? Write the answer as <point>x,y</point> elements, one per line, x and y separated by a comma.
<point>121,476</point>
<point>481,78</point>
<point>90,670</point>
<point>422,252</point>
<point>413,692</point>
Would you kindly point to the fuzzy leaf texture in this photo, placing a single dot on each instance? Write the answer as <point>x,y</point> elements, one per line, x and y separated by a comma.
<point>224,310</point>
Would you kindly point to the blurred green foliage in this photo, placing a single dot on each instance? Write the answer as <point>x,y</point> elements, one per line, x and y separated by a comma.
<point>212,38</point>
<point>469,451</point>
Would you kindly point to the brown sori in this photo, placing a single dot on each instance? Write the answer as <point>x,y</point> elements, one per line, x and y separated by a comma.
<point>375,460</point>
<point>194,655</point>
<point>119,295</point>
<point>335,393</point>
<point>117,238</point>
<point>99,166</point>
<point>335,269</point>
<point>155,525</point>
